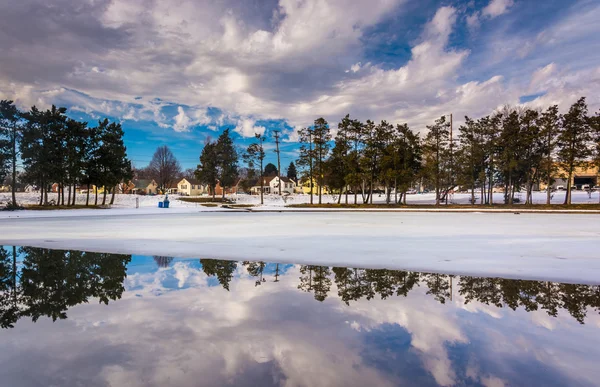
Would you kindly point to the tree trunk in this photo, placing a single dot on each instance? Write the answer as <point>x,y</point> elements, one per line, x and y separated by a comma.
<point>69,196</point>
<point>96,191</point>
<point>46,195</point>
<point>87,196</point>
<point>104,196</point>
<point>58,195</point>
<point>14,167</point>
<point>74,194</point>
<point>568,195</point>
<point>112,198</point>
<point>41,194</point>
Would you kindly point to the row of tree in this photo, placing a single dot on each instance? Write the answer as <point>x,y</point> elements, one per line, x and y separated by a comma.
<point>516,148</point>
<point>55,149</point>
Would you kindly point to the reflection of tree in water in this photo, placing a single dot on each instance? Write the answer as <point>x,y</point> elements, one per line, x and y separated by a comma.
<point>162,261</point>
<point>315,279</point>
<point>256,269</point>
<point>220,268</point>
<point>52,281</point>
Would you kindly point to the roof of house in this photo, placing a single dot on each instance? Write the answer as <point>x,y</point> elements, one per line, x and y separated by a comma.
<point>191,181</point>
<point>143,183</point>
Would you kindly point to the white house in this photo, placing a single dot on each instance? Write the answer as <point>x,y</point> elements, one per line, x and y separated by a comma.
<point>271,185</point>
<point>190,187</point>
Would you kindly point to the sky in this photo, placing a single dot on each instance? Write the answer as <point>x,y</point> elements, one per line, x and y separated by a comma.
<point>177,72</point>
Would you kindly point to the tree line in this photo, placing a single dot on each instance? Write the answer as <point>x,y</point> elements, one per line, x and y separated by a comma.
<point>55,149</point>
<point>513,148</point>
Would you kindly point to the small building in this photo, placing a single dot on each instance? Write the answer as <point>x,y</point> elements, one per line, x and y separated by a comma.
<point>228,190</point>
<point>173,189</point>
<point>145,187</point>
<point>586,174</point>
<point>305,184</point>
<point>191,187</point>
<point>271,185</point>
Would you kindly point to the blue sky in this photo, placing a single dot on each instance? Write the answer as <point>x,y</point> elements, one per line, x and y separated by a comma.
<point>177,72</point>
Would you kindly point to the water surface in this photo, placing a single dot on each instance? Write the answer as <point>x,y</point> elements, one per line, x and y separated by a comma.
<point>74,318</point>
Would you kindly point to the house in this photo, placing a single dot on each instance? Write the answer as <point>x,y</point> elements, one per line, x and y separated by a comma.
<point>228,190</point>
<point>191,187</point>
<point>305,184</point>
<point>125,188</point>
<point>145,187</point>
<point>271,185</point>
<point>173,189</point>
<point>585,174</point>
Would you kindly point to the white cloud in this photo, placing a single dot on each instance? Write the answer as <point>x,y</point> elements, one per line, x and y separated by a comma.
<point>496,8</point>
<point>183,122</point>
<point>247,127</point>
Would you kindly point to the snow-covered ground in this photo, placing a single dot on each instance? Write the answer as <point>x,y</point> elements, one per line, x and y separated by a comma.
<point>558,247</point>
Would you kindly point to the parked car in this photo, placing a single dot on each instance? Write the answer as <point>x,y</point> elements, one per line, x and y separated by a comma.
<point>560,187</point>
<point>411,192</point>
<point>596,188</point>
<point>585,187</point>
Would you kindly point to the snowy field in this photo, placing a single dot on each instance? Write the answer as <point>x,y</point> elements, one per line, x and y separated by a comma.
<point>151,202</point>
<point>557,247</point>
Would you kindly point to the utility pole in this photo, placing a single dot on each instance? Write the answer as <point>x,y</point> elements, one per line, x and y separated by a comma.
<point>278,161</point>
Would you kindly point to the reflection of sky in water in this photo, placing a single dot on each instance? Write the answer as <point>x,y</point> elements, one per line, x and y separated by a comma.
<point>198,333</point>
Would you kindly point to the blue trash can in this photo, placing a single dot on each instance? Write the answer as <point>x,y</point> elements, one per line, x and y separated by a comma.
<point>160,204</point>
<point>166,205</point>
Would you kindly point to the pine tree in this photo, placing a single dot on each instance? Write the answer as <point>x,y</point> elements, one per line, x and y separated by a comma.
<point>11,126</point>
<point>292,173</point>
<point>550,127</point>
<point>436,152</point>
<point>208,169</point>
<point>227,157</point>
<point>574,141</point>
<point>307,156</point>
<point>321,138</point>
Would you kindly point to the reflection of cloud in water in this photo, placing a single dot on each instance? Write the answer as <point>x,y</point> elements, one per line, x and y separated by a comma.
<point>196,332</point>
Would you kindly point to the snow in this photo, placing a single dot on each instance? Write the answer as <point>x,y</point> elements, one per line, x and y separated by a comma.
<point>556,247</point>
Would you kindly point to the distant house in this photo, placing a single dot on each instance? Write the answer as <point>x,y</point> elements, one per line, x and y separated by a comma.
<point>228,190</point>
<point>271,185</point>
<point>173,189</point>
<point>30,188</point>
<point>145,186</point>
<point>191,187</point>
<point>305,184</point>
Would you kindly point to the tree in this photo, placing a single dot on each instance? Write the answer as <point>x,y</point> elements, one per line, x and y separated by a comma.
<point>573,141</point>
<point>10,137</point>
<point>550,127</point>
<point>291,172</point>
<point>270,170</point>
<point>208,169</point>
<point>255,157</point>
<point>306,159</point>
<point>227,157</point>
<point>164,167</point>
<point>116,167</point>
<point>222,269</point>
<point>436,152</point>
<point>321,138</point>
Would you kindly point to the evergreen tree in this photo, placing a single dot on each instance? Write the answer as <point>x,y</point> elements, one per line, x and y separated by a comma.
<point>550,127</point>
<point>574,141</point>
<point>436,154</point>
<point>208,169</point>
<point>222,269</point>
<point>291,172</point>
<point>227,157</point>
<point>321,138</point>
<point>270,170</point>
<point>306,159</point>
<point>11,123</point>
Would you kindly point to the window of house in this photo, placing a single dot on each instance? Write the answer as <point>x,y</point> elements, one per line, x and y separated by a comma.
<point>184,186</point>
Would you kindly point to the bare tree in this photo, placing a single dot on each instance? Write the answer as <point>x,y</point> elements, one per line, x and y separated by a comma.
<point>164,167</point>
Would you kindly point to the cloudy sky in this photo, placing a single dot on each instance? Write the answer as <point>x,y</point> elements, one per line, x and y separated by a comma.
<point>178,71</point>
